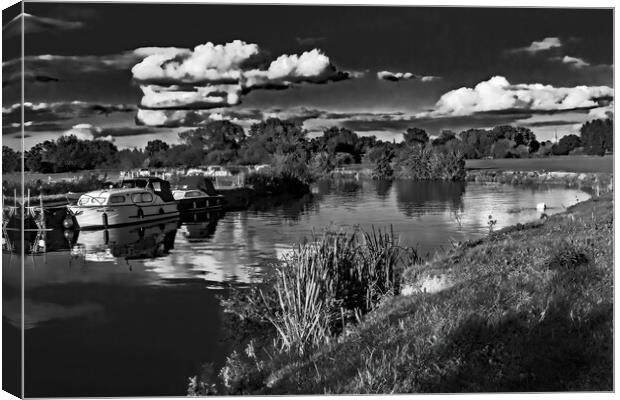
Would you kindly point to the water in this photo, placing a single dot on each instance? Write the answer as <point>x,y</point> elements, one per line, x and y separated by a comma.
<point>140,314</point>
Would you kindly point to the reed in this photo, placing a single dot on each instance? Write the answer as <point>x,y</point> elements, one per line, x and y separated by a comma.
<point>330,281</point>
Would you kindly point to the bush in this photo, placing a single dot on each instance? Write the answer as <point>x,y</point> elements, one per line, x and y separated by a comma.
<point>274,183</point>
<point>383,170</point>
<point>423,163</point>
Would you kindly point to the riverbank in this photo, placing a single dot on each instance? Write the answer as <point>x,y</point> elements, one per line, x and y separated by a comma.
<point>592,182</point>
<point>528,308</point>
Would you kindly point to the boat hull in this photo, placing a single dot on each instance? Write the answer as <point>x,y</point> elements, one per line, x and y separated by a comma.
<point>206,203</point>
<point>97,217</point>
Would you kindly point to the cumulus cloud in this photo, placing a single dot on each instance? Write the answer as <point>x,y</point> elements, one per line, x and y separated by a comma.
<point>547,43</point>
<point>498,94</point>
<point>398,76</point>
<point>214,76</point>
<point>606,111</point>
<point>34,24</point>
<point>87,132</point>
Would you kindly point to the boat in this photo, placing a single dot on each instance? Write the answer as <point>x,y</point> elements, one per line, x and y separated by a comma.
<point>195,193</point>
<point>129,201</point>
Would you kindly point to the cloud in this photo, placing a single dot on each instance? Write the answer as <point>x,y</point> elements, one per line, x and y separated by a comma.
<point>34,24</point>
<point>215,76</point>
<point>606,111</point>
<point>87,132</point>
<point>91,132</point>
<point>45,68</point>
<point>398,76</point>
<point>498,94</point>
<point>30,127</point>
<point>429,78</point>
<point>572,61</point>
<point>244,117</point>
<point>394,76</point>
<point>56,111</point>
<point>546,44</point>
<point>357,74</point>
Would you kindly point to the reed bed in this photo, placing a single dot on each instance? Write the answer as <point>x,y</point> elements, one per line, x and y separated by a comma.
<point>330,281</point>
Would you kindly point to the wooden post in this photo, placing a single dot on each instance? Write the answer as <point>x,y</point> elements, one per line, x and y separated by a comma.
<point>42,213</point>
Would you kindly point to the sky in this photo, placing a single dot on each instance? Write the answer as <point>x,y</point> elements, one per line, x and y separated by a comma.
<point>130,73</point>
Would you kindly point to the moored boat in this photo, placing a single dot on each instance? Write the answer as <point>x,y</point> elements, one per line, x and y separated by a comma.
<point>131,201</point>
<point>197,194</point>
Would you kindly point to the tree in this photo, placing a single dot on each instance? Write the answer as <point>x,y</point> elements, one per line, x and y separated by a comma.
<point>342,140</point>
<point>444,137</point>
<point>517,134</point>
<point>11,160</point>
<point>155,146</point>
<point>130,158</point>
<point>39,157</point>
<point>597,136</point>
<point>415,136</point>
<point>565,145</point>
<point>274,137</point>
<point>68,153</point>
<point>502,148</point>
<point>476,143</point>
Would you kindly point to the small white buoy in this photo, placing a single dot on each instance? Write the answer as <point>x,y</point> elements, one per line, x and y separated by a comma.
<point>541,207</point>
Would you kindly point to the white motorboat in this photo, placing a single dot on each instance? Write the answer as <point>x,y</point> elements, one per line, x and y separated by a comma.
<point>135,201</point>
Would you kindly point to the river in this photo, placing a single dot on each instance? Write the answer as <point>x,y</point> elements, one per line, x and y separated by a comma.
<point>135,310</point>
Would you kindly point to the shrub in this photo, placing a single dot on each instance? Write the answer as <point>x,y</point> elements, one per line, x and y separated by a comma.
<point>423,163</point>
<point>277,184</point>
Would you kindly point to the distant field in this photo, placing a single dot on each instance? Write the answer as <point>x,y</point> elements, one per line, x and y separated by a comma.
<point>559,163</point>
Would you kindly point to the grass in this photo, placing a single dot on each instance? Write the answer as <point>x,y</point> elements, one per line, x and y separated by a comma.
<point>557,163</point>
<point>529,308</point>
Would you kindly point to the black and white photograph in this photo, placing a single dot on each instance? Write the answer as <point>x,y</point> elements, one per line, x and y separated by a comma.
<point>216,199</point>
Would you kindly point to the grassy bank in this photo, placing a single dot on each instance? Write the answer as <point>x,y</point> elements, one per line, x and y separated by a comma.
<point>591,182</point>
<point>529,308</point>
<point>556,163</point>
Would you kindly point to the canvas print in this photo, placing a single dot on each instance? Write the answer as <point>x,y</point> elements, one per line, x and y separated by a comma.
<point>231,199</point>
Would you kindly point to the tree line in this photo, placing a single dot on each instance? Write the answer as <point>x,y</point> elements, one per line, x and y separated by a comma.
<point>285,146</point>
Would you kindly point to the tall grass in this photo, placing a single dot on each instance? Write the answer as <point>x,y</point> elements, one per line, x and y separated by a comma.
<point>330,281</point>
<point>426,163</point>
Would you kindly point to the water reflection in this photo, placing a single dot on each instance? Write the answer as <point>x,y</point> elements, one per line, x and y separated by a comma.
<point>127,242</point>
<point>199,226</point>
<point>417,198</point>
<point>383,188</point>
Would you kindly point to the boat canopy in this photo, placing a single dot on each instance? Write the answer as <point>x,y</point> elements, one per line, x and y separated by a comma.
<point>197,182</point>
<point>160,187</point>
